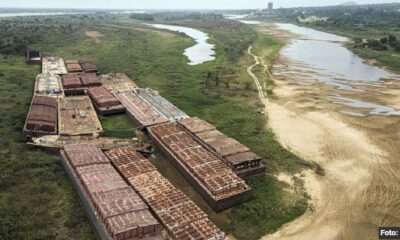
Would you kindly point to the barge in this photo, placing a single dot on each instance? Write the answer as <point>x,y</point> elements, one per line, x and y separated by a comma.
<point>237,156</point>
<point>116,83</point>
<point>54,65</point>
<point>33,57</point>
<point>104,102</point>
<point>215,181</point>
<point>160,104</point>
<point>180,216</point>
<point>48,85</point>
<point>78,117</point>
<point>73,66</point>
<point>140,111</point>
<point>113,207</point>
<point>57,142</point>
<point>90,80</point>
<point>88,66</point>
<point>72,84</point>
<point>42,117</point>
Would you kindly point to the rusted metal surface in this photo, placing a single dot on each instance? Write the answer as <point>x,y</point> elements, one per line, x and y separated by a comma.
<point>88,66</point>
<point>119,208</point>
<point>133,225</point>
<point>54,65</point>
<point>114,202</point>
<point>73,66</point>
<point>234,154</point>
<point>182,218</point>
<point>161,104</point>
<point>48,85</point>
<point>42,116</point>
<point>100,177</point>
<point>116,83</point>
<point>45,101</point>
<point>140,110</point>
<point>90,80</point>
<point>77,116</point>
<point>218,179</point>
<point>104,143</point>
<point>102,97</point>
<point>71,81</point>
<point>104,101</point>
<point>84,154</point>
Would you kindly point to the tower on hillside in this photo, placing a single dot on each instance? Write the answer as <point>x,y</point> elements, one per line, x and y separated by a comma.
<point>270,6</point>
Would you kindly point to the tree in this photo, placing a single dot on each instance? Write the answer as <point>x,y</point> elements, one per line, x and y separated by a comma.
<point>392,40</point>
<point>376,45</point>
<point>383,40</point>
<point>357,40</point>
<point>397,47</point>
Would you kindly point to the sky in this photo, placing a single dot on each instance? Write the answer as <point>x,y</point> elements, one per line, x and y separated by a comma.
<point>174,4</point>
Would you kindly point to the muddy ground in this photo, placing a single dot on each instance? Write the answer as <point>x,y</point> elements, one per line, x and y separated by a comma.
<point>359,187</point>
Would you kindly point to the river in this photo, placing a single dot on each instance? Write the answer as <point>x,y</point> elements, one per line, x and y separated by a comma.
<point>201,52</point>
<point>313,56</point>
<point>335,109</point>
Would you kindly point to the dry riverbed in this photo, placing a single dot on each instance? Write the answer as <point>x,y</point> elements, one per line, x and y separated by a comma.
<point>359,187</point>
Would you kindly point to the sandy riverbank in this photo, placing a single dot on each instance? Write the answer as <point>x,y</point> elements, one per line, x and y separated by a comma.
<point>360,189</point>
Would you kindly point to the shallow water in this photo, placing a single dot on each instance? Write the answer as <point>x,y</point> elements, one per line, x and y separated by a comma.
<point>372,108</point>
<point>201,52</point>
<point>324,58</point>
<point>326,52</point>
<point>335,59</point>
<point>310,34</point>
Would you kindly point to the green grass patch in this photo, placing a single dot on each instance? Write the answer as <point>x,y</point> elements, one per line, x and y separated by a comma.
<point>117,126</point>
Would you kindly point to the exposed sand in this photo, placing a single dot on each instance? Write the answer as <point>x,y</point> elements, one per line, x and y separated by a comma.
<point>360,190</point>
<point>94,35</point>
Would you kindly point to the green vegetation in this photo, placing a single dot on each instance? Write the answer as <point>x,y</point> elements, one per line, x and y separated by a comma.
<point>267,49</point>
<point>36,197</point>
<point>37,200</point>
<point>117,126</point>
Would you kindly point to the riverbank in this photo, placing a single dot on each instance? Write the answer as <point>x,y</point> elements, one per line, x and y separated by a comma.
<point>356,192</point>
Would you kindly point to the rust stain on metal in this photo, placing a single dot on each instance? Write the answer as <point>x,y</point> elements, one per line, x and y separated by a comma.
<point>234,154</point>
<point>116,83</point>
<point>77,116</point>
<point>118,206</point>
<point>42,117</point>
<point>88,66</point>
<point>160,104</point>
<point>104,101</point>
<point>90,80</point>
<point>140,110</point>
<point>218,179</point>
<point>73,66</point>
<point>182,218</point>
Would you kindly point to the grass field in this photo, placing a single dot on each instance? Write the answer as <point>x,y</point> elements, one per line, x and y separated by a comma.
<point>37,198</point>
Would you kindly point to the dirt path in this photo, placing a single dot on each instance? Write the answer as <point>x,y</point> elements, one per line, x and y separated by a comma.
<point>257,82</point>
<point>360,189</point>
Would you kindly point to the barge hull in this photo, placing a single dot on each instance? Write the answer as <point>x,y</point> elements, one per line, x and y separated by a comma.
<point>216,205</point>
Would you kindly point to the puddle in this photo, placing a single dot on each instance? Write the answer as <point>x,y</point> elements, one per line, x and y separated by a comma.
<point>374,109</point>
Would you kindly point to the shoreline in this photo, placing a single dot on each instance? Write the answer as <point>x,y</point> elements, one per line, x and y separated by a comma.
<point>350,155</point>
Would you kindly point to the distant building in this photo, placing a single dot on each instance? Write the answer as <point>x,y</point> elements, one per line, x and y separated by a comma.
<point>270,6</point>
